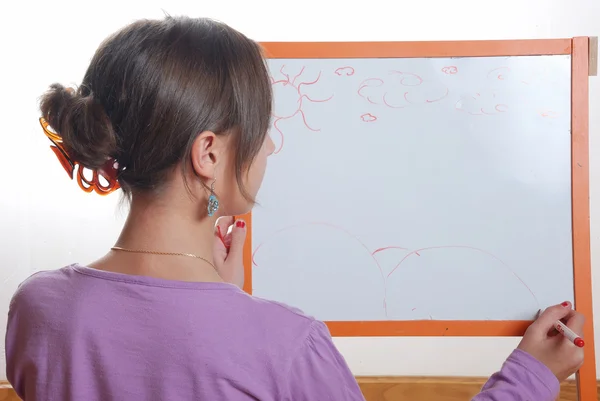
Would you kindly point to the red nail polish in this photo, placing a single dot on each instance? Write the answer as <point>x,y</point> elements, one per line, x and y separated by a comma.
<point>240,224</point>
<point>565,304</point>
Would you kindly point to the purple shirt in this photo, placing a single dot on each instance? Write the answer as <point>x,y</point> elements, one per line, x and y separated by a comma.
<point>84,334</point>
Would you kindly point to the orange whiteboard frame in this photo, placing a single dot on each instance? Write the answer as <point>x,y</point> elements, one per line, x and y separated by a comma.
<point>578,49</point>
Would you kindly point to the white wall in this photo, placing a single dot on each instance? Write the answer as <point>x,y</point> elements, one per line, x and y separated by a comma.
<point>44,42</point>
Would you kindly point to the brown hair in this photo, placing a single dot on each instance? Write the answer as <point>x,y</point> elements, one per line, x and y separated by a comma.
<point>152,87</point>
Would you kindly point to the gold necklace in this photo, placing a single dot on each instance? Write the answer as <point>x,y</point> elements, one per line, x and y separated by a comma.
<point>189,255</point>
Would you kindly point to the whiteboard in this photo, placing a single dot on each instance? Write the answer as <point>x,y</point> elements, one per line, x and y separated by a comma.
<point>407,189</point>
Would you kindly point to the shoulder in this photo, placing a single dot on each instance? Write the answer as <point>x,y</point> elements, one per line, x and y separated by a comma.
<point>319,371</point>
<point>44,278</point>
<point>314,360</point>
<point>308,363</point>
<point>37,287</point>
<point>283,310</point>
<point>278,322</point>
<point>268,331</point>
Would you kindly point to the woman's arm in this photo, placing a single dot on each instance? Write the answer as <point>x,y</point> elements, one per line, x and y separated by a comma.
<point>531,373</point>
<point>319,372</point>
<point>542,360</point>
<point>522,378</point>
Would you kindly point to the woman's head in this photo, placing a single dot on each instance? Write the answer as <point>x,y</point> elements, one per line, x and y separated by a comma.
<point>174,101</point>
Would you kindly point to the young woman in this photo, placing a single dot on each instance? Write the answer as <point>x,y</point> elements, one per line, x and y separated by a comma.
<point>178,111</point>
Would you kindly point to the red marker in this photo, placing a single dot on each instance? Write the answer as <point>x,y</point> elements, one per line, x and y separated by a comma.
<point>570,334</point>
<point>222,238</point>
<point>225,239</point>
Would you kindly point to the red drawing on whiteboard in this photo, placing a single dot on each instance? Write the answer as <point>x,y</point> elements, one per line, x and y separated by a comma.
<point>478,104</point>
<point>346,71</point>
<point>365,253</point>
<point>416,252</point>
<point>385,248</point>
<point>369,83</point>
<point>372,259</point>
<point>290,99</point>
<point>450,70</point>
<point>499,73</point>
<point>401,89</point>
<point>500,108</point>
<point>407,78</point>
<point>548,114</point>
<point>368,118</point>
<point>502,74</point>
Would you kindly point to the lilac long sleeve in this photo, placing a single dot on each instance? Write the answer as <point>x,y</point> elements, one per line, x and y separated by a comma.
<point>522,378</point>
<point>319,372</point>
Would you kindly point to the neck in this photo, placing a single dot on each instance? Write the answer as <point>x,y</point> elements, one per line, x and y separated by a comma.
<point>164,226</point>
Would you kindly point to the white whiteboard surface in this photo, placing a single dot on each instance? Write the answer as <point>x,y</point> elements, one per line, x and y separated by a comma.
<point>407,189</point>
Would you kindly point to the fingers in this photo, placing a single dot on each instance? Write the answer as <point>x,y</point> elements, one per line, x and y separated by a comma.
<point>575,321</point>
<point>238,237</point>
<point>546,320</point>
<point>233,236</point>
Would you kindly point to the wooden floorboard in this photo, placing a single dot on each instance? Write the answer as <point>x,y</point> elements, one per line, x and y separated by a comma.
<point>400,389</point>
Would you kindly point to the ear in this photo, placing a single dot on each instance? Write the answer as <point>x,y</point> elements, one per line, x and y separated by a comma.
<point>205,154</point>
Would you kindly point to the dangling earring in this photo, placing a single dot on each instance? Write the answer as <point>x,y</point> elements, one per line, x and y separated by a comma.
<point>213,202</point>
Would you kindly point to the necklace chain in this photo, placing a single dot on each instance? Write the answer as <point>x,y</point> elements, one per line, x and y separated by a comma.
<point>189,255</point>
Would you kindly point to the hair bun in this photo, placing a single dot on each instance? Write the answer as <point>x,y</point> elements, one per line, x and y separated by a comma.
<point>82,123</point>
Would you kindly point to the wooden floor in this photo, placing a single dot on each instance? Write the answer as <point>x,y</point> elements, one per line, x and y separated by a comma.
<point>434,388</point>
<point>401,389</point>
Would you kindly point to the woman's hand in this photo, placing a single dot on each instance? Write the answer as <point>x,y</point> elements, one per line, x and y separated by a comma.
<point>543,342</point>
<point>228,249</point>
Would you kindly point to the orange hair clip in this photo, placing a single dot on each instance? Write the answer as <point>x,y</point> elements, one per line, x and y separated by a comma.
<point>108,171</point>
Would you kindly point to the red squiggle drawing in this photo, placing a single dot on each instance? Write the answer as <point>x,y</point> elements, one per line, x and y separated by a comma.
<point>548,114</point>
<point>400,90</point>
<point>368,118</point>
<point>289,108</point>
<point>408,78</point>
<point>478,104</point>
<point>450,70</point>
<point>372,82</point>
<point>385,248</point>
<point>402,254</point>
<point>498,73</point>
<point>502,73</point>
<point>416,252</point>
<point>346,71</point>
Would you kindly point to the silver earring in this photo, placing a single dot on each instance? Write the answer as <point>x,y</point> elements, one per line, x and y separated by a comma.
<point>213,202</point>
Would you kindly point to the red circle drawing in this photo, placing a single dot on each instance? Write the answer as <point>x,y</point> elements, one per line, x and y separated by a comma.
<point>368,118</point>
<point>347,71</point>
<point>450,70</point>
